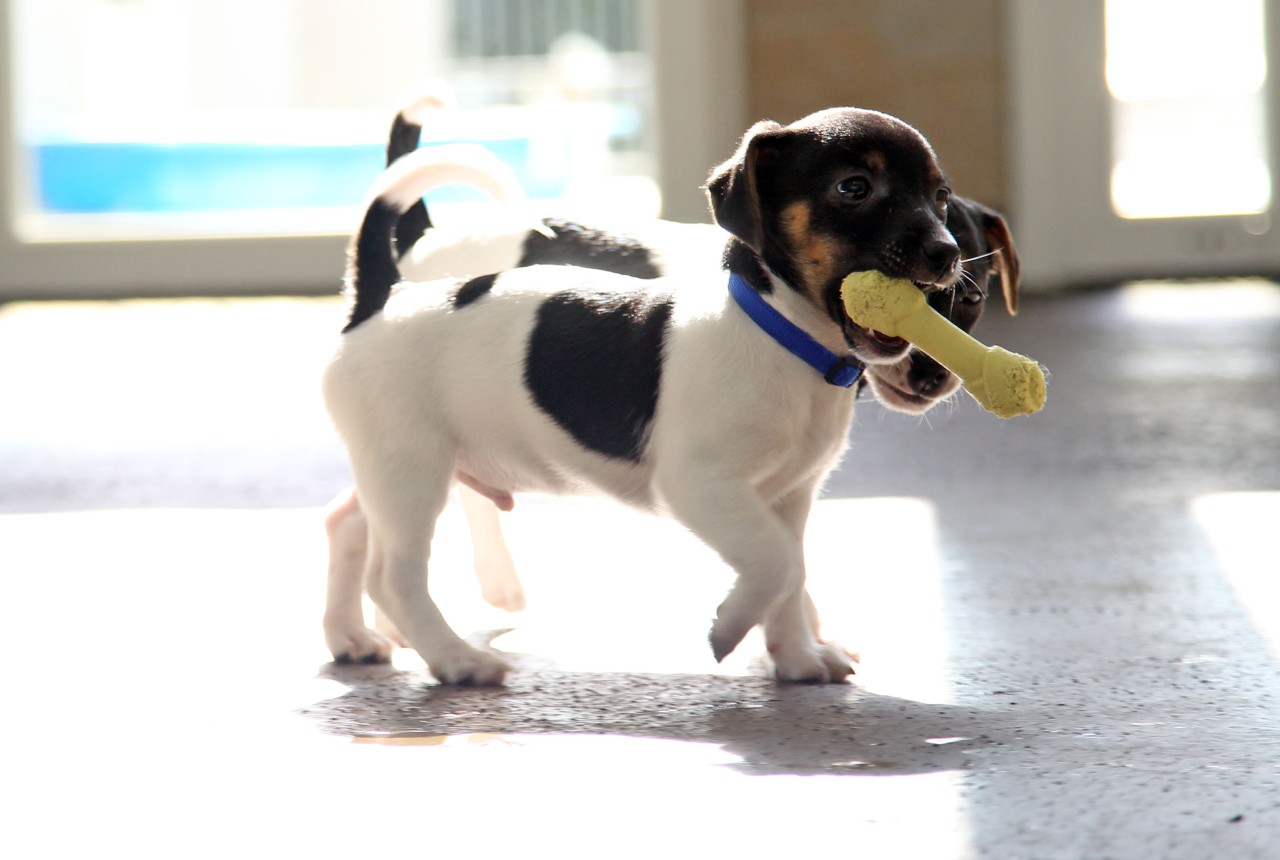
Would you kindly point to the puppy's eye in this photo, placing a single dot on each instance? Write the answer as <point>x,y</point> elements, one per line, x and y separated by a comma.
<point>855,188</point>
<point>943,197</point>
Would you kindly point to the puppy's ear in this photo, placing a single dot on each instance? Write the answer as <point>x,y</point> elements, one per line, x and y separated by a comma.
<point>1005,258</point>
<point>967,219</point>
<point>731,189</point>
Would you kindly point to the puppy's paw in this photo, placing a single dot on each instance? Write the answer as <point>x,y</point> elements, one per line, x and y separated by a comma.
<point>816,663</point>
<point>358,645</point>
<point>500,586</point>
<point>467,666</point>
<point>726,634</point>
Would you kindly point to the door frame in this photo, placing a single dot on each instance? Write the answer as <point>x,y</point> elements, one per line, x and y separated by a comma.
<point>1060,142</point>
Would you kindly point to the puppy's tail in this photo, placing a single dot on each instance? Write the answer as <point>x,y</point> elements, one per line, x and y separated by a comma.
<point>404,138</point>
<point>372,269</point>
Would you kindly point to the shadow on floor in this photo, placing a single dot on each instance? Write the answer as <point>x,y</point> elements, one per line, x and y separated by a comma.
<point>774,729</point>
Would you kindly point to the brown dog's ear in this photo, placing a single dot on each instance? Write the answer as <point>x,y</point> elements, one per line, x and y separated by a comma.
<point>998,241</point>
<point>731,188</point>
<point>1005,258</point>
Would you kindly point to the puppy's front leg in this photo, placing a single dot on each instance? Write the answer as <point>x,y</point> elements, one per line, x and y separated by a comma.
<point>798,653</point>
<point>729,515</point>
<point>791,627</point>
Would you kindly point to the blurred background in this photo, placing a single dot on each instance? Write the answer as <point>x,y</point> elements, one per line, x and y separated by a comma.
<point>174,146</point>
<point>1070,623</point>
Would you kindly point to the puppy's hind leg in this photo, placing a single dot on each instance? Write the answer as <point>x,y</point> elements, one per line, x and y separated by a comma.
<point>402,505</point>
<point>494,568</point>
<point>345,633</point>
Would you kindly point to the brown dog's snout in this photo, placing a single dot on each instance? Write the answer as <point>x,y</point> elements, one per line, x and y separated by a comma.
<point>926,377</point>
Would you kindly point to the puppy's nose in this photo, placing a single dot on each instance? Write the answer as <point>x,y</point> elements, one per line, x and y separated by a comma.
<point>942,254</point>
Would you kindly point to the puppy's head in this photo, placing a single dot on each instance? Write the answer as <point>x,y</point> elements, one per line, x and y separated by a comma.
<point>914,384</point>
<point>841,191</point>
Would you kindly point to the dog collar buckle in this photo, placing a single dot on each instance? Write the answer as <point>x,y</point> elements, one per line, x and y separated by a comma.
<point>844,373</point>
<point>840,371</point>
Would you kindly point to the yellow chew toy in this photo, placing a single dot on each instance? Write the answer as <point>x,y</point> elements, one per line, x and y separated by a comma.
<point>1004,383</point>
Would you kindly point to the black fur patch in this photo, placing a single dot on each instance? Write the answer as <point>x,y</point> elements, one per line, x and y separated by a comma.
<point>414,222</point>
<point>373,270</point>
<point>575,245</point>
<point>473,290</point>
<point>411,227</point>
<point>593,365</point>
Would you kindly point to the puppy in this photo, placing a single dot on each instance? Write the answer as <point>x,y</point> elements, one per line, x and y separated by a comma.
<point>913,385</point>
<point>671,394</point>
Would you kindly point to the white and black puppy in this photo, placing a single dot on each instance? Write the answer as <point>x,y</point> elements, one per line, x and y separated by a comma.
<point>723,402</point>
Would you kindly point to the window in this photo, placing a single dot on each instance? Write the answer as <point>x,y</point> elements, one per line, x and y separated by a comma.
<point>261,116</point>
<point>1144,139</point>
<point>1187,79</point>
<point>173,145</point>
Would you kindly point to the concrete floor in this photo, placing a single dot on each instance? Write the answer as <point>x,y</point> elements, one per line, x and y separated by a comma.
<point>1069,623</point>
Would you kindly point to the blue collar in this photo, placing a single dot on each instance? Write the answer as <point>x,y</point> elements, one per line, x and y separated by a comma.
<point>842,371</point>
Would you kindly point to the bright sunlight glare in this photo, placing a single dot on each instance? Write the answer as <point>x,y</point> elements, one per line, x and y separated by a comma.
<point>1187,79</point>
<point>1239,525</point>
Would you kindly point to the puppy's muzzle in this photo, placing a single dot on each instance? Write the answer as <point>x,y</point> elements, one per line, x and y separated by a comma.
<point>941,259</point>
<point>933,266</point>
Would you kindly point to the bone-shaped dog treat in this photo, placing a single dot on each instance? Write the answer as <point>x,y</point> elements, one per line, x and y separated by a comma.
<point>1004,383</point>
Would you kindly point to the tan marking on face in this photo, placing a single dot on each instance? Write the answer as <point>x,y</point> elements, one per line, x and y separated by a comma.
<point>813,254</point>
<point>876,161</point>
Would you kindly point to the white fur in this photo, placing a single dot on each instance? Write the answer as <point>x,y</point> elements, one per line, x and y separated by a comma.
<point>457,162</point>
